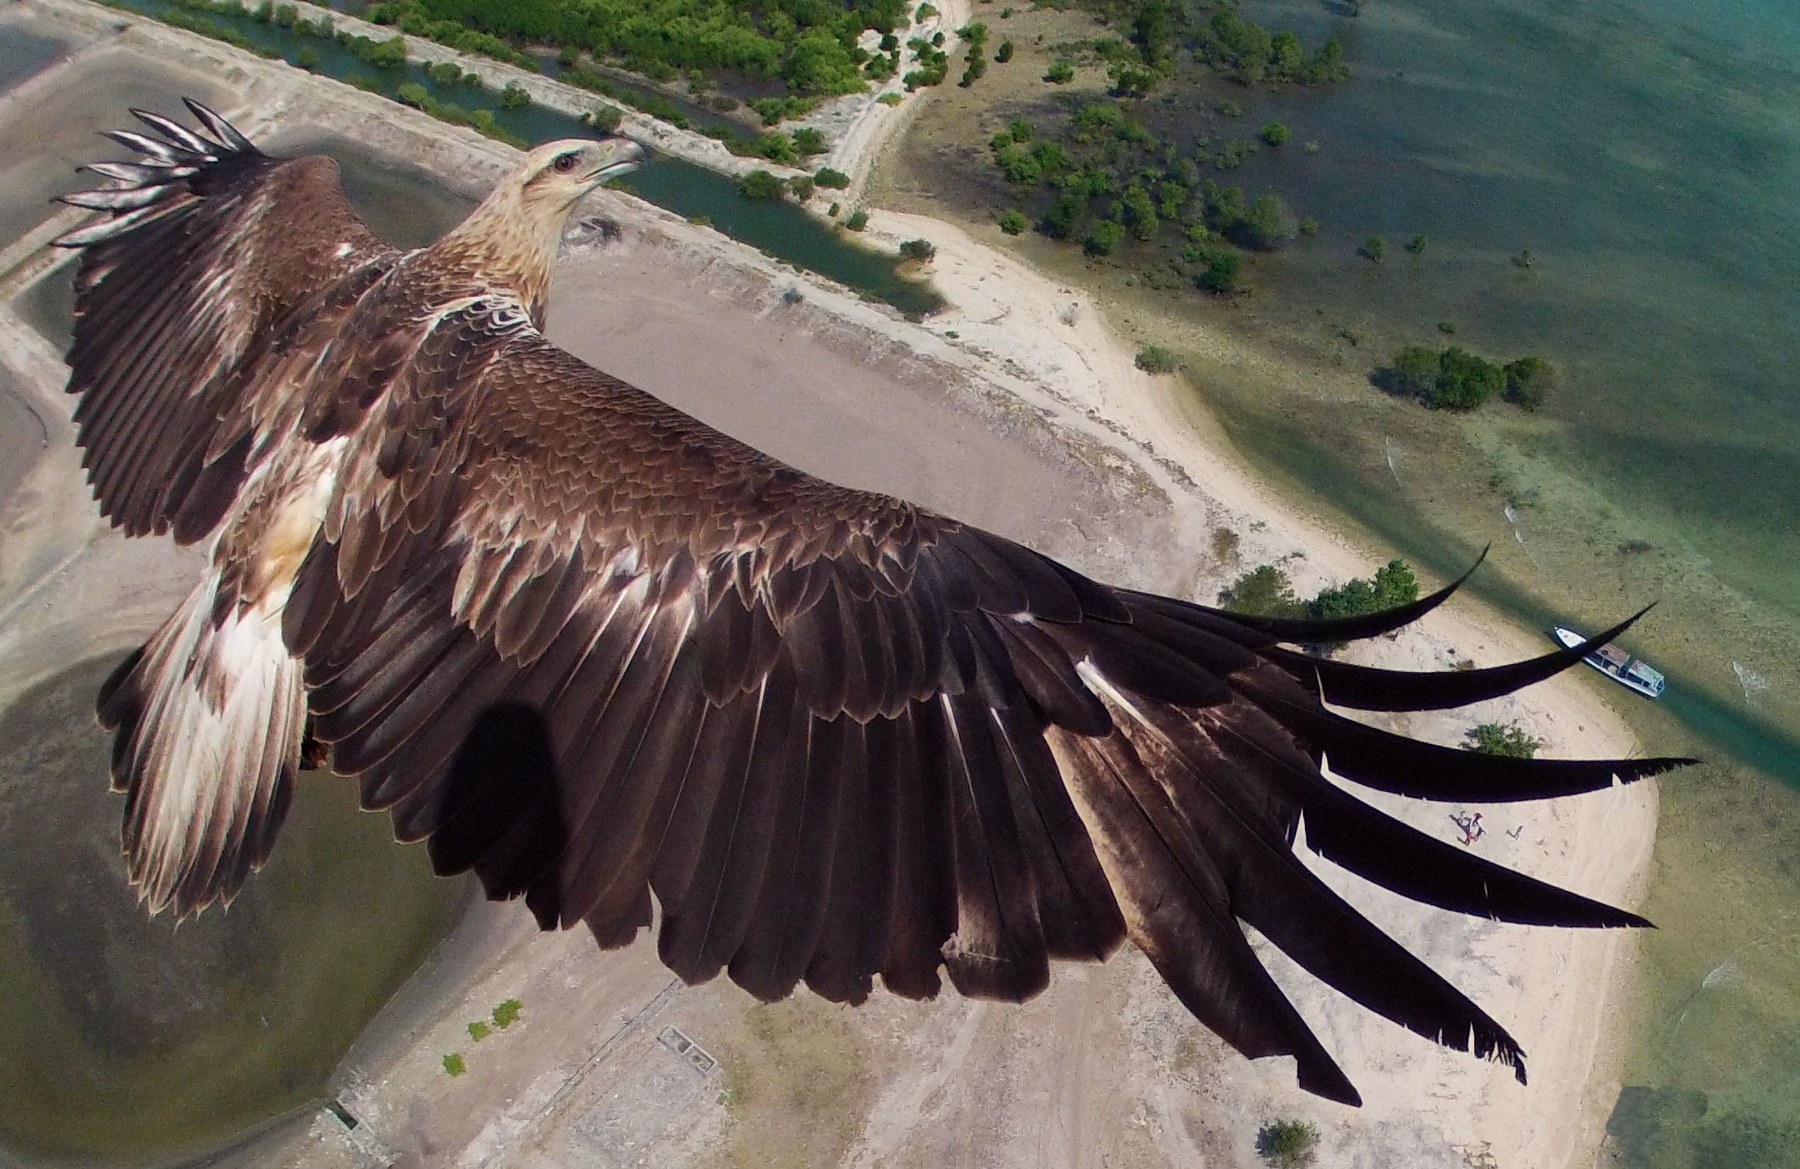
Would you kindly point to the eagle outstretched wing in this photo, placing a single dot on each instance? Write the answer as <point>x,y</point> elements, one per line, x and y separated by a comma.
<point>213,253</point>
<point>597,653</point>
<point>606,657</point>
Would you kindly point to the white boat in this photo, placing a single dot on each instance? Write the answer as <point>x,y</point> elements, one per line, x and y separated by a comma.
<point>1632,673</point>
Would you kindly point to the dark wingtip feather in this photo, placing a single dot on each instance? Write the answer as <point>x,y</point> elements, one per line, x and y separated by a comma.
<point>227,134</point>
<point>1368,688</point>
<point>1306,630</point>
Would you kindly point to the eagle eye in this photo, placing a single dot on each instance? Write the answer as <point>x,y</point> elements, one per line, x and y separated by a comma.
<point>564,162</point>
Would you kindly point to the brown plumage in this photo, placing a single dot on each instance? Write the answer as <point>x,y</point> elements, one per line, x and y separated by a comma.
<point>611,660</point>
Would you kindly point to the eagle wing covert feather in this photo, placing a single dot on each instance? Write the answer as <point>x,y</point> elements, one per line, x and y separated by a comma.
<point>607,659</point>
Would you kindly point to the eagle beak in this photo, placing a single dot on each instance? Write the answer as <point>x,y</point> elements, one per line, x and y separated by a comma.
<point>618,156</point>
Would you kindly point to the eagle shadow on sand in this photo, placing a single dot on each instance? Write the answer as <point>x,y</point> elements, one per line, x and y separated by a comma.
<point>637,673</point>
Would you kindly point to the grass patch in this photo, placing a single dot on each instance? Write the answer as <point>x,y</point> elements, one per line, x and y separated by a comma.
<point>796,1085</point>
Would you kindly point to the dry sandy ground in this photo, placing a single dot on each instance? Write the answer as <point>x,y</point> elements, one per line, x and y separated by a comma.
<point>1032,421</point>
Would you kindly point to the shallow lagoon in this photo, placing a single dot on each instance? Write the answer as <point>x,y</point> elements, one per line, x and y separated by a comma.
<point>1647,157</point>
<point>136,1040</point>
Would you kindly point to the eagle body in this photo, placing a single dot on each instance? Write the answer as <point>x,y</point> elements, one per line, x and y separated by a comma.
<point>637,673</point>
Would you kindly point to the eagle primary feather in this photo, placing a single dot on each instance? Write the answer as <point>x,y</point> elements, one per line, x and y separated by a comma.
<point>597,653</point>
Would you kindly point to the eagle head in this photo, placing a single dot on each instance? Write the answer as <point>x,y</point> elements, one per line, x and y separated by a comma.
<point>556,175</point>
<point>510,241</point>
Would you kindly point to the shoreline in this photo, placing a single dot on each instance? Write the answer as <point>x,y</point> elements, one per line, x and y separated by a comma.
<point>1098,377</point>
<point>1014,352</point>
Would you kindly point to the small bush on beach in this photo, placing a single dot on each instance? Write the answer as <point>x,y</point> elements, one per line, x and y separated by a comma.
<point>920,250</point>
<point>507,1013</point>
<point>479,1030</point>
<point>1392,585</point>
<point>1264,591</point>
<point>1288,1144</point>
<point>1060,73</point>
<point>454,1065</point>
<point>1506,739</point>
<point>857,221</point>
<point>1156,359</point>
<point>837,180</point>
<point>1013,223</point>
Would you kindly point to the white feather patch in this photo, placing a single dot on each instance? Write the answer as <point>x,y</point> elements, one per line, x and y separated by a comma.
<point>214,748</point>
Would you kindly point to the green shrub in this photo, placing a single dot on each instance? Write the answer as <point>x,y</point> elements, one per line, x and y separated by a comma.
<point>1417,244</point>
<point>920,250</point>
<point>836,180</point>
<point>454,1065</point>
<point>1464,381</point>
<point>1004,53</point>
<point>808,140</point>
<point>1529,381</point>
<point>1103,237</point>
<point>800,187</point>
<point>1264,591</point>
<point>1288,1144</point>
<point>1507,739</point>
<point>1223,273</point>
<point>1266,225</point>
<point>857,221</point>
<point>761,184</point>
<point>777,147</point>
<point>606,118</point>
<point>1392,585</point>
<point>507,1013</point>
<point>514,97</point>
<point>1013,223</point>
<point>1415,371</point>
<point>1274,133</point>
<point>1156,359</point>
<point>479,1030</point>
<point>1061,73</point>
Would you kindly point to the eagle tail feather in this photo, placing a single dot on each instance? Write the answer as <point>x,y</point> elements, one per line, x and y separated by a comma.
<point>208,717</point>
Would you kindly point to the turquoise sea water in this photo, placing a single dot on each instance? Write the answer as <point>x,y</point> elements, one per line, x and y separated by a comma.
<point>1647,156</point>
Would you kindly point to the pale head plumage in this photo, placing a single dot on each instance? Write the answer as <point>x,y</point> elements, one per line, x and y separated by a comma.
<point>510,240</point>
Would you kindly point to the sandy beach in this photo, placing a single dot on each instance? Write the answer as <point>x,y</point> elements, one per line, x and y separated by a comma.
<point>1019,409</point>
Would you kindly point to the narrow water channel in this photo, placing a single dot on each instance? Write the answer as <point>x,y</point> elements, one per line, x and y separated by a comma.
<point>774,226</point>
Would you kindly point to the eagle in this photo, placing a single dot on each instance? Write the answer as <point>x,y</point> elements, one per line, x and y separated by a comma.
<point>639,674</point>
